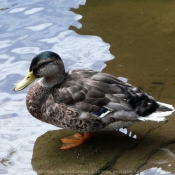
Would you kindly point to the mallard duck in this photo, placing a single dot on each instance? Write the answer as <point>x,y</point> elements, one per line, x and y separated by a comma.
<point>83,100</point>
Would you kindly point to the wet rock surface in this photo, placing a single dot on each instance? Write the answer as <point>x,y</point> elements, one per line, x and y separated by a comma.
<point>93,157</point>
<point>154,139</point>
<point>108,152</point>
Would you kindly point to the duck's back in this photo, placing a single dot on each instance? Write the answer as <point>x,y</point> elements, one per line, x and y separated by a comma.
<point>89,90</point>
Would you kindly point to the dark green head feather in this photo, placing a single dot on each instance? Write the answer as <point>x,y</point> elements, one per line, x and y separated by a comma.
<point>43,57</point>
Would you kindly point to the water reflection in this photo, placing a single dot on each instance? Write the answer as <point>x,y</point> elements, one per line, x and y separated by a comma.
<point>155,171</point>
<point>27,28</point>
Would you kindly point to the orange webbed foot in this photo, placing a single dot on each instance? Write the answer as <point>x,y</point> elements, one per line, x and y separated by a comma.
<point>74,140</point>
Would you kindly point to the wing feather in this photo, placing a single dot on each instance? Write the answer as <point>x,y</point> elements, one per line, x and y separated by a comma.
<point>89,90</point>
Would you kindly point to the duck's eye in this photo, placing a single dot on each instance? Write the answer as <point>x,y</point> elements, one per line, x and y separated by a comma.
<point>43,64</point>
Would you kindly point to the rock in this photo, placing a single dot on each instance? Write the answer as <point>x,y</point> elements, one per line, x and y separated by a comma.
<point>93,157</point>
<point>156,139</point>
<point>108,152</point>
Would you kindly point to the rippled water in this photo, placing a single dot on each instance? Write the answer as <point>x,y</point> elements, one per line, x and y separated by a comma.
<point>27,28</point>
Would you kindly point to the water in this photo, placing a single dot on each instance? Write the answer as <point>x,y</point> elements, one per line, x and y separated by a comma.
<point>26,29</point>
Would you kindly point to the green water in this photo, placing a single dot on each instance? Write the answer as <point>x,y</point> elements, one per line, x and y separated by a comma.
<point>142,38</point>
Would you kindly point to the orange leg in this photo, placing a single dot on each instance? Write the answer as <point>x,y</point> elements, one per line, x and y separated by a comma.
<point>74,140</point>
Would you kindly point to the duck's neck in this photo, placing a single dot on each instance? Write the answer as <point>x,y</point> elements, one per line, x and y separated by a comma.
<point>39,93</point>
<point>52,80</point>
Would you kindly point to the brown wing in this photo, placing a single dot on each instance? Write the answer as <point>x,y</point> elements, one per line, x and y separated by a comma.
<point>88,90</point>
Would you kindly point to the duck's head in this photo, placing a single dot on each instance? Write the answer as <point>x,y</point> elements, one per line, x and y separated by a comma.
<point>46,64</point>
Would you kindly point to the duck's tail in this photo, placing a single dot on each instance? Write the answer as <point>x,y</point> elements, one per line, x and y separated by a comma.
<point>163,107</point>
<point>161,113</point>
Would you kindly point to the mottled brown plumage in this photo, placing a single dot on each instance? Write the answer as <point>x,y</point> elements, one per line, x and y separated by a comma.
<point>83,100</point>
<point>74,100</point>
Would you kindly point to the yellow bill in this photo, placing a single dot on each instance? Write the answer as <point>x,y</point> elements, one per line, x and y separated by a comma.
<point>29,78</point>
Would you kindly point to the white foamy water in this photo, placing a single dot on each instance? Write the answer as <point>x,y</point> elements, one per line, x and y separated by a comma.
<point>155,171</point>
<point>28,28</point>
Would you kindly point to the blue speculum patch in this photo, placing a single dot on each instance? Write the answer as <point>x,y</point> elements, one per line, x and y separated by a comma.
<point>101,111</point>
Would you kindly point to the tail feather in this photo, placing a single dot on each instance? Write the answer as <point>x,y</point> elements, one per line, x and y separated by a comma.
<point>165,107</point>
<point>161,113</point>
